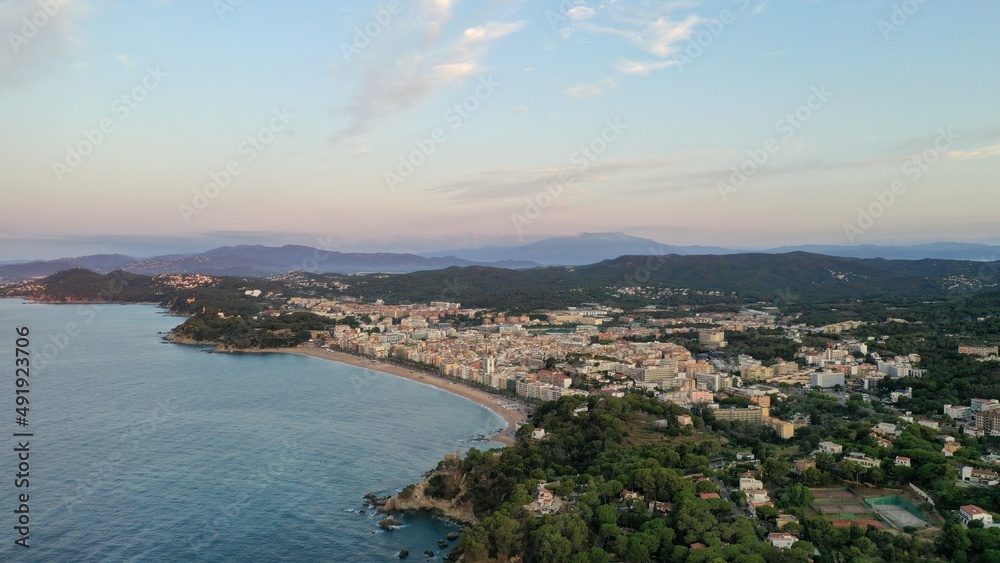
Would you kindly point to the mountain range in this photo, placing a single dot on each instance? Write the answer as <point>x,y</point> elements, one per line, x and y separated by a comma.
<point>587,248</point>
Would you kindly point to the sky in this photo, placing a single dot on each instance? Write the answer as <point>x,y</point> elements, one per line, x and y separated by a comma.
<point>155,126</point>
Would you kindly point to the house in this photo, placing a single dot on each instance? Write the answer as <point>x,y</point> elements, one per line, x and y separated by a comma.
<point>979,476</point>
<point>706,496</point>
<point>745,456</point>
<point>538,433</point>
<point>544,503</point>
<point>751,484</point>
<point>630,495</point>
<point>782,540</point>
<point>831,448</point>
<point>862,460</point>
<point>904,461</point>
<point>684,420</point>
<point>661,507</point>
<point>545,497</point>
<point>886,428</point>
<point>970,512</point>
<point>882,442</point>
<point>784,518</point>
<point>950,448</point>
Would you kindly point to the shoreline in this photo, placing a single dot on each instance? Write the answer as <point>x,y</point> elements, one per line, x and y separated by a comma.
<point>478,396</point>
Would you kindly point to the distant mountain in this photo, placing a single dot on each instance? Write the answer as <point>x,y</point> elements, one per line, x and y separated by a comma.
<point>31,270</point>
<point>248,261</point>
<point>588,248</point>
<point>939,250</point>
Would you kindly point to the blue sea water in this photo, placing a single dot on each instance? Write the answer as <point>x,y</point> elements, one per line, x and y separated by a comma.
<point>148,451</point>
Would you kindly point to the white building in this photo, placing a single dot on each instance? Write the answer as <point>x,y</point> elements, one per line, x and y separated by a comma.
<point>782,540</point>
<point>831,448</point>
<point>827,379</point>
<point>970,512</point>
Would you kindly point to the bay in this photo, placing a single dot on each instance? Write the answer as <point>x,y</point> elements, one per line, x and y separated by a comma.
<point>149,451</point>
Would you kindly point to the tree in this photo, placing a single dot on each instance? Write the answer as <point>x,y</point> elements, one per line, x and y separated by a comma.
<point>953,538</point>
<point>796,496</point>
<point>606,514</point>
<point>772,469</point>
<point>851,470</point>
<point>765,513</point>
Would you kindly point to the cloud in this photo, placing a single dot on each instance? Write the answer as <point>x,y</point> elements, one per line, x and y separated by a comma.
<point>580,13</point>
<point>491,31</point>
<point>590,89</point>
<point>37,34</point>
<point>973,154</point>
<point>649,28</point>
<point>662,36</point>
<point>509,183</point>
<point>628,66</point>
<point>435,14</point>
<point>124,60</point>
<point>400,76</point>
<point>520,109</point>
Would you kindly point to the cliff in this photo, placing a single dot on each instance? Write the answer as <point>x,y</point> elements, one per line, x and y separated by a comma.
<point>441,493</point>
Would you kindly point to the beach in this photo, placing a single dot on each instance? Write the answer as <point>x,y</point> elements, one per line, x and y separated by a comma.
<point>488,400</point>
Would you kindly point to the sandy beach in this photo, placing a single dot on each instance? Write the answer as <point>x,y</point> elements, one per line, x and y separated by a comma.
<point>488,400</point>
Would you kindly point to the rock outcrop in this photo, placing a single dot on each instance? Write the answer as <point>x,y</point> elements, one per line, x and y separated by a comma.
<point>416,498</point>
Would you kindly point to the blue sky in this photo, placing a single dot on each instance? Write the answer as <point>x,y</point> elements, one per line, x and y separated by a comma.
<point>441,124</point>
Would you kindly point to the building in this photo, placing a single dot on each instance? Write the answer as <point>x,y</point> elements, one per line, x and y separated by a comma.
<point>862,460</point>
<point>950,448</point>
<point>978,405</point>
<point>751,415</point>
<point>826,379</point>
<point>970,512</point>
<point>784,429</point>
<point>957,412</point>
<point>902,460</point>
<point>712,339</point>
<point>979,476</point>
<point>710,381</point>
<point>702,396</point>
<point>627,495</point>
<point>786,368</point>
<point>831,448</point>
<point>988,421</point>
<point>979,350</point>
<point>751,484</point>
<point>782,540</point>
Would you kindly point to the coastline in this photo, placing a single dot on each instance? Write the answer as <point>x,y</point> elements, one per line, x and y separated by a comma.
<point>478,396</point>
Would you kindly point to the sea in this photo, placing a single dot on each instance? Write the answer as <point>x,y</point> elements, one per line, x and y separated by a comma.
<point>142,450</point>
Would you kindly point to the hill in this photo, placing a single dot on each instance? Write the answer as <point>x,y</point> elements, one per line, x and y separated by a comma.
<point>642,279</point>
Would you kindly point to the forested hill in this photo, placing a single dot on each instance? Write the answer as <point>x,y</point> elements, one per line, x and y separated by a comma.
<point>624,281</point>
<point>754,277</point>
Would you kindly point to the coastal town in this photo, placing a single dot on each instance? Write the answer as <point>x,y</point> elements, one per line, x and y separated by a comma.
<point>720,422</point>
<point>595,350</point>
